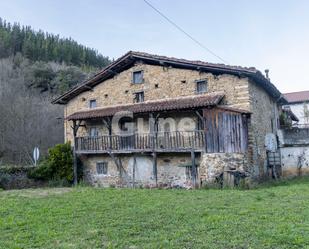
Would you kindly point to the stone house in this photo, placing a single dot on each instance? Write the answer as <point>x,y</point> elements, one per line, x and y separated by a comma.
<point>158,121</point>
<point>299,105</point>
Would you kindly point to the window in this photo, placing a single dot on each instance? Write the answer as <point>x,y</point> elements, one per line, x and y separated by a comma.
<point>201,86</point>
<point>137,77</point>
<point>92,103</point>
<point>102,168</point>
<point>93,132</point>
<point>139,97</point>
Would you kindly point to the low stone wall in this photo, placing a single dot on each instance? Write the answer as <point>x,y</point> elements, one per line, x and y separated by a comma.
<point>15,177</point>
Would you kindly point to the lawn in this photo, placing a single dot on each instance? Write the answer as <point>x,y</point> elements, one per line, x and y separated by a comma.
<point>82,217</point>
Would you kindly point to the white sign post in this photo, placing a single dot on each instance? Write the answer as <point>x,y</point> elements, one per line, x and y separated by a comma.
<point>36,155</point>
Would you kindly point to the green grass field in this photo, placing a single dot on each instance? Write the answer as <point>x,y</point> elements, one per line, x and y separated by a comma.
<point>267,217</point>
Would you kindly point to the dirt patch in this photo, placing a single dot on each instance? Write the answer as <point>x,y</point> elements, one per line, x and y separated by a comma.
<point>36,192</point>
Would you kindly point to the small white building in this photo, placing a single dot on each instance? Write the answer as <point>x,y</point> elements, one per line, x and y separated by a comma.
<point>299,105</point>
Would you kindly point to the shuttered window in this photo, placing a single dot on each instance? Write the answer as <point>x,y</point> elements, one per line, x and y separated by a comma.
<point>139,97</point>
<point>102,168</point>
<point>137,77</point>
<point>201,86</point>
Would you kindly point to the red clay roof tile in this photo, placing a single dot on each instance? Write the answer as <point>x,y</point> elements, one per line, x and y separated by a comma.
<point>195,101</point>
<point>297,96</point>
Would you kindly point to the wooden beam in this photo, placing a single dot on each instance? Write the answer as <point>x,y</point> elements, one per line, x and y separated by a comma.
<point>108,123</point>
<point>118,162</point>
<point>133,173</point>
<point>75,129</point>
<point>193,169</point>
<point>200,116</point>
<point>155,168</point>
<point>88,87</point>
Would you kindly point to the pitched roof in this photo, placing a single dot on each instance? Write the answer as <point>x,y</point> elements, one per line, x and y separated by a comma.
<point>127,60</point>
<point>297,97</point>
<point>181,103</point>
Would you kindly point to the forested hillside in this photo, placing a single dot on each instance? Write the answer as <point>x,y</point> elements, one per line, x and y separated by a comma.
<point>46,47</point>
<point>34,68</point>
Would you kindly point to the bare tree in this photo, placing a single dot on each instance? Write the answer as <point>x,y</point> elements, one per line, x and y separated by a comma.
<point>27,118</point>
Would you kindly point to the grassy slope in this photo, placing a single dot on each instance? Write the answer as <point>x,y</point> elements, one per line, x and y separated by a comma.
<point>274,217</point>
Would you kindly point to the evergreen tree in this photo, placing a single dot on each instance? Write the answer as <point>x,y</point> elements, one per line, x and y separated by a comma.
<point>38,45</point>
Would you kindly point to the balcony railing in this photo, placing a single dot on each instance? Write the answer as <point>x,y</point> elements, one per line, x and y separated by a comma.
<point>160,141</point>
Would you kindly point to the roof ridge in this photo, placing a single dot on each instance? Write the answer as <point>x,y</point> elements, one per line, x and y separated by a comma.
<point>132,56</point>
<point>296,92</point>
<point>193,61</point>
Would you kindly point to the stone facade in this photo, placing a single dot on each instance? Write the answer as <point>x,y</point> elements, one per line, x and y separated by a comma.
<point>215,164</point>
<point>168,82</point>
<point>173,170</point>
<point>264,120</point>
<point>159,82</point>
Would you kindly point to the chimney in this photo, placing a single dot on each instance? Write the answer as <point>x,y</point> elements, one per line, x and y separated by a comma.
<point>267,74</point>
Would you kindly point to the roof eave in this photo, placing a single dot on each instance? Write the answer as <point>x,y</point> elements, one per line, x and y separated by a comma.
<point>133,56</point>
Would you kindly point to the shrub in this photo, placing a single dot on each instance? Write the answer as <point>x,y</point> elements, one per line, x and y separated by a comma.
<point>42,172</point>
<point>57,166</point>
<point>4,179</point>
<point>60,159</point>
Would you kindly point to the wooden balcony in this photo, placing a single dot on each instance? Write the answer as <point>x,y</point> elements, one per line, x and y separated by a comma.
<point>177,141</point>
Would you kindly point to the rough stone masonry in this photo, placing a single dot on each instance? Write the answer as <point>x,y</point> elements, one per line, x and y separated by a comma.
<point>164,80</point>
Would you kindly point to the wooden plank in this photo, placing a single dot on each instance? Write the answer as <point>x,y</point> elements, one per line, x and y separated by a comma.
<point>133,171</point>
<point>221,132</point>
<point>155,168</point>
<point>193,168</point>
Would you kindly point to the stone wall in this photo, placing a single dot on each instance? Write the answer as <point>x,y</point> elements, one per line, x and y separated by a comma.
<point>213,165</point>
<point>264,120</point>
<point>176,122</point>
<point>159,82</point>
<point>167,82</point>
<point>16,177</point>
<point>172,169</point>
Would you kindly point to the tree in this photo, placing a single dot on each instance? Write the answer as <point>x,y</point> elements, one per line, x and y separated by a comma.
<point>38,45</point>
<point>28,118</point>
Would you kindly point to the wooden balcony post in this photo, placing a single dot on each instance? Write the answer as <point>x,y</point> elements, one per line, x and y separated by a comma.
<point>75,128</point>
<point>133,173</point>
<point>152,130</point>
<point>108,124</point>
<point>193,169</point>
<point>155,168</point>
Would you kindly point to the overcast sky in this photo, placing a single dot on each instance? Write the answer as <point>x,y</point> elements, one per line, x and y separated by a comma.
<point>264,34</point>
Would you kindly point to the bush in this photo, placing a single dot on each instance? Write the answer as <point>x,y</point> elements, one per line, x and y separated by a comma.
<point>4,179</point>
<point>60,159</point>
<point>57,166</point>
<point>42,172</point>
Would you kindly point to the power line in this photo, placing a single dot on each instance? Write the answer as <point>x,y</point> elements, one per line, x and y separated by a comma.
<point>184,32</point>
